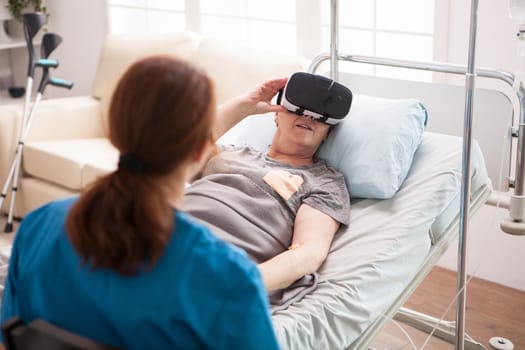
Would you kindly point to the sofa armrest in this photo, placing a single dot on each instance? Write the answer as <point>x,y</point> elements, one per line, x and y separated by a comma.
<point>54,119</point>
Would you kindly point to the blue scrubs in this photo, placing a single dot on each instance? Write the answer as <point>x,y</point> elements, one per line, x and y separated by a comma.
<point>202,293</point>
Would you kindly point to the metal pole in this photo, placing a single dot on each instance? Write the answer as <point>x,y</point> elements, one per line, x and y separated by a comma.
<point>465,185</point>
<point>519,185</point>
<point>334,40</point>
<point>451,68</point>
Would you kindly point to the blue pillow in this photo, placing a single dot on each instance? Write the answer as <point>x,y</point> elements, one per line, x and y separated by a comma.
<point>373,147</point>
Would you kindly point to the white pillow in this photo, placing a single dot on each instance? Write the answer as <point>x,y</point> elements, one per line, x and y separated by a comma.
<point>256,131</point>
<point>373,147</point>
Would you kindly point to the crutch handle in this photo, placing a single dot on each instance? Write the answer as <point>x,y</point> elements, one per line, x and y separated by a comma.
<point>61,83</point>
<point>46,79</point>
<point>32,24</point>
<point>47,63</point>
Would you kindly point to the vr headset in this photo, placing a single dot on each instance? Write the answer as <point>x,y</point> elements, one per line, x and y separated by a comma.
<point>316,96</point>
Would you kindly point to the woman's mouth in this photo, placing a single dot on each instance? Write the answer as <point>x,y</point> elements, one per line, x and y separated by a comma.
<point>304,126</point>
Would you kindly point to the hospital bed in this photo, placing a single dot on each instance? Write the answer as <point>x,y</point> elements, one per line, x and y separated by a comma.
<point>387,251</point>
<point>392,244</point>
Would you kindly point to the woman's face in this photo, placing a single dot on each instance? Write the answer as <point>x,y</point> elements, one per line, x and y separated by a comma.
<point>300,131</point>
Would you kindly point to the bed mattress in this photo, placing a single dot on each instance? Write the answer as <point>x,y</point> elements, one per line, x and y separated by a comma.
<point>370,265</point>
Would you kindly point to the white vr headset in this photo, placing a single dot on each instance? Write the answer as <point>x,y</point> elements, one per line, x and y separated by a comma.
<point>316,96</point>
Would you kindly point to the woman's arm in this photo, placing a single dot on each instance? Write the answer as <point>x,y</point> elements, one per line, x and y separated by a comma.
<point>256,101</point>
<point>236,109</point>
<point>313,235</point>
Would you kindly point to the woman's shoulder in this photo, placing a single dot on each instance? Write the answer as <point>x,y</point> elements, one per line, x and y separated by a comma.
<point>322,169</point>
<point>243,149</point>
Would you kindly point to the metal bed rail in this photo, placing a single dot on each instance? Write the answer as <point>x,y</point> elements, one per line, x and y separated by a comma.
<point>420,65</point>
<point>518,182</point>
<point>398,312</point>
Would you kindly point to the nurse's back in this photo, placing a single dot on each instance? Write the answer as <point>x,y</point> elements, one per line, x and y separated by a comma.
<point>201,293</point>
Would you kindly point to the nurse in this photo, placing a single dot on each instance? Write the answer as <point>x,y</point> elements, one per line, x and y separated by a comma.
<point>122,264</point>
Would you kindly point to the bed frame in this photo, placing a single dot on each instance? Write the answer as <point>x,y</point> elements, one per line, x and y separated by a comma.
<point>491,106</point>
<point>415,319</point>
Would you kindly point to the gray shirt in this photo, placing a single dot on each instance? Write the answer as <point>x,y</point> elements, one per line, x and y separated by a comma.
<point>251,200</point>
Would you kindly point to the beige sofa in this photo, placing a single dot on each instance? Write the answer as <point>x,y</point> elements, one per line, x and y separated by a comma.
<point>67,146</point>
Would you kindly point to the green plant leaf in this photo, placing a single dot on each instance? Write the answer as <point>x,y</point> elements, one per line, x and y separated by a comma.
<point>18,7</point>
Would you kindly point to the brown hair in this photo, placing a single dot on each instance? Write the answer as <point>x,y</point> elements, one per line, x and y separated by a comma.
<point>161,113</point>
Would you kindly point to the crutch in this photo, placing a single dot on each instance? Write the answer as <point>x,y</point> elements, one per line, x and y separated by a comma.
<point>48,45</point>
<point>49,42</point>
<point>32,24</point>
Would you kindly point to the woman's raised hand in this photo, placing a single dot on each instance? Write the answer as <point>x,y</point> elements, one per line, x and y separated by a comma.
<point>259,99</point>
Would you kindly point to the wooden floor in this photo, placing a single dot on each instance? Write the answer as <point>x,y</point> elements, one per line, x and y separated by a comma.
<point>492,310</point>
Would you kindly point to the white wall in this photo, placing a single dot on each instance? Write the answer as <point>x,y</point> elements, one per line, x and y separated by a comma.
<point>82,26</point>
<point>493,254</point>
<point>496,37</point>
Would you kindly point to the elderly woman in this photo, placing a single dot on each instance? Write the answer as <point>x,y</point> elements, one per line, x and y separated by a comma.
<point>283,207</point>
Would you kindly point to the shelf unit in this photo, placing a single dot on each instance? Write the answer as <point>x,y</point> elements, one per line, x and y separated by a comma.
<point>10,41</point>
<point>12,44</point>
<point>11,37</point>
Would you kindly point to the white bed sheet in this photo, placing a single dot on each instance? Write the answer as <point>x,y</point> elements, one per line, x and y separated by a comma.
<point>387,241</point>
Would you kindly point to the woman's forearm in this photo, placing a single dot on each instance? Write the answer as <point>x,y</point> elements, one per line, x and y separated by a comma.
<point>230,113</point>
<point>282,270</point>
<point>256,101</point>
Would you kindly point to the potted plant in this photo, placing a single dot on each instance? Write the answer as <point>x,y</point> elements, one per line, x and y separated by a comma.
<point>18,7</point>
<point>13,27</point>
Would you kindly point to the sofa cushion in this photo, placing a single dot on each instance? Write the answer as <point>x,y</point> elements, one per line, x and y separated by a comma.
<point>121,50</point>
<point>73,117</point>
<point>101,167</point>
<point>69,163</point>
<point>233,68</point>
<point>34,193</point>
<point>236,69</point>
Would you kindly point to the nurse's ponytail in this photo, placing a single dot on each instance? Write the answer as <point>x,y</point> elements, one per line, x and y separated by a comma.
<point>161,114</point>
